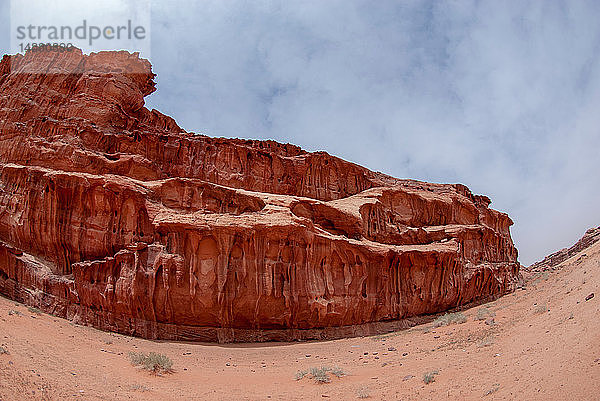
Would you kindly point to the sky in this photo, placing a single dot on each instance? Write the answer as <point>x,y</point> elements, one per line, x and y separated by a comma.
<point>503,97</point>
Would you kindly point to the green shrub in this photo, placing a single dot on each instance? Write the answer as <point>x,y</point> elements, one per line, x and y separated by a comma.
<point>153,362</point>
<point>363,393</point>
<point>35,310</point>
<point>492,390</point>
<point>484,314</point>
<point>320,375</point>
<point>337,371</point>
<point>300,374</point>
<point>429,377</point>
<point>487,341</point>
<point>449,318</point>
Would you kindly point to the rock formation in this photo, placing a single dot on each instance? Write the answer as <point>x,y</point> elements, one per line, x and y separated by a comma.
<point>113,216</point>
<point>590,237</point>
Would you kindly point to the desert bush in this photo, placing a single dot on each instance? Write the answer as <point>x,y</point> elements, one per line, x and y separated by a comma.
<point>484,313</point>
<point>138,387</point>
<point>14,312</point>
<point>363,392</point>
<point>539,278</point>
<point>492,390</point>
<point>300,374</point>
<point>320,375</point>
<point>542,308</point>
<point>429,377</point>
<point>3,351</point>
<point>487,341</point>
<point>35,310</point>
<point>449,318</point>
<point>337,371</point>
<point>153,362</point>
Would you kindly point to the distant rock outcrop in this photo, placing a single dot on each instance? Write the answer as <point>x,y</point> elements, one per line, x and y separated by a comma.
<point>113,216</point>
<point>590,237</point>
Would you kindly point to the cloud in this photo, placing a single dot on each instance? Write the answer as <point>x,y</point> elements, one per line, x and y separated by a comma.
<point>501,96</point>
<point>4,26</point>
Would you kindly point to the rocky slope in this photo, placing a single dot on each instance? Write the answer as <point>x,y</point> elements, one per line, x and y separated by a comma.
<point>590,237</point>
<point>113,216</point>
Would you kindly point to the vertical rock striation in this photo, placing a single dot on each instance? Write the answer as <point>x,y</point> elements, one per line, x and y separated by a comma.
<point>113,216</point>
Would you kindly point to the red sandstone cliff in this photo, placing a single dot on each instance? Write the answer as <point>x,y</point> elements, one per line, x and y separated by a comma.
<point>111,215</point>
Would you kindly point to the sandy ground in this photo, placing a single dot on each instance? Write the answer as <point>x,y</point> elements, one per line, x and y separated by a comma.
<point>544,345</point>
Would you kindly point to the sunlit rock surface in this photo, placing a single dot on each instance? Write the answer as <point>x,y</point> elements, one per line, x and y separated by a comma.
<point>113,216</point>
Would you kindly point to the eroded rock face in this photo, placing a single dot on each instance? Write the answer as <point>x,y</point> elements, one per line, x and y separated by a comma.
<point>113,216</point>
<point>550,262</point>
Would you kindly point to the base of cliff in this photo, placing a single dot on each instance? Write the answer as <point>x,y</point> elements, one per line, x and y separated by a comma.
<point>151,330</point>
<point>541,344</point>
